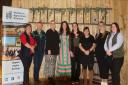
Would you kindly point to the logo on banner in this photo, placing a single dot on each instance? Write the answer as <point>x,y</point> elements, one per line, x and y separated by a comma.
<point>9,15</point>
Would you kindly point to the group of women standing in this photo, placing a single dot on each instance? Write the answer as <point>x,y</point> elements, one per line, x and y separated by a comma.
<point>75,48</point>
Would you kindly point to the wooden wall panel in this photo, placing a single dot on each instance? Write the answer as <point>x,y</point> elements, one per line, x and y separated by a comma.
<point>119,14</point>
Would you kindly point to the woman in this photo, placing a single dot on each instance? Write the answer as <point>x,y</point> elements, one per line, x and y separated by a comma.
<point>114,50</point>
<point>27,49</point>
<point>100,52</point>
<point>64,63</point>
<point>87,46</point>
<point>51,51</point>
<point>75,54</point>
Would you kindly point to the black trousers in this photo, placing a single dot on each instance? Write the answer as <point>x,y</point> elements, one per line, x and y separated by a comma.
<point>115,66</point>
<point>37,63</point>
<point>103,66</point>
<point>75,65</point>
<point>75,69</point>
<point>26,60</point>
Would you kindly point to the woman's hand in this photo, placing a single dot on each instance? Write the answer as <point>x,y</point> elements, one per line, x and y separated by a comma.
<point>71,53</point>
<point>86,52</point>
<point>109,53</point>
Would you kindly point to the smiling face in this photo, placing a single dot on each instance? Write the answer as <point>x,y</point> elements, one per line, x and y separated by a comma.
<point>74,27</point>
<point>39,26</point>
<point>101,27</point>
<point>52,24</point>
<point>114,28</point>
<point>64,27</point>
<point>86,32</point>
<point>28,29</point>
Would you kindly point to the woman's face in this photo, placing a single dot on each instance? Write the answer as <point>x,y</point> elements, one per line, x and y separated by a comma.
<point>28,29</point>
<point>86,32</point>
<point>64,26</point>
<point>74,27</point>
<point>114,29</point>
<point>101,27</point>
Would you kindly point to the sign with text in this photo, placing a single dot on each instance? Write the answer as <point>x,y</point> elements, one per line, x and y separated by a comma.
<point>18,15</point>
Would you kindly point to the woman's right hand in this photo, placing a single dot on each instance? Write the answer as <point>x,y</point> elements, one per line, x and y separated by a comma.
<point>32,49</point>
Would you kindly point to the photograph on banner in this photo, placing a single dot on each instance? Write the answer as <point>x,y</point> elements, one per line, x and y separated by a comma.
<point>94,17</point>
<point>72,16</point>
<point>11,53</point>
<point>80,16</point>
<point>57,16</point>
<point>10,31</point>
<point>65,15</point>
<point>44,17</point>
<point>18,42</point>
<point>8,41</point>
<point>51,15</point>
<point>87,17</point>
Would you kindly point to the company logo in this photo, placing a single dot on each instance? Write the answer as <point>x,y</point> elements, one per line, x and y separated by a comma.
<point>9,15</point>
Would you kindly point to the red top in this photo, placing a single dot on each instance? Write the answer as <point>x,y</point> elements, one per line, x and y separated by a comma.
<point>24,40</point>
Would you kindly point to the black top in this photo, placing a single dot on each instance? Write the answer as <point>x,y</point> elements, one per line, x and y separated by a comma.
<point>87,42</point>
<point>75,41</point>
<point>40,39</point>
<point>52,42</point>
<point>100,40</point>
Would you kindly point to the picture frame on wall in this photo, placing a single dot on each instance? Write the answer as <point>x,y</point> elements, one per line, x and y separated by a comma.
<point>58,16</point>
<point>44,17</point>
<point>65,15</point>
<point>37,16</point>
<point>51,15</point>
<point>87,17</point>
<point>31,16</point>
<point>102,16</point>
<point>94,17</point>
<point>73,16</point>
<point>80,18</point>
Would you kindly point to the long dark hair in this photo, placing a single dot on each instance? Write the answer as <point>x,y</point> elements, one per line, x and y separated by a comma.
<point>77,27</point>
<point>67,28</point>
<point>117,26</point>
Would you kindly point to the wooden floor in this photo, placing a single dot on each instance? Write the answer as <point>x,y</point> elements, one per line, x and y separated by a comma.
<point>58,82</point>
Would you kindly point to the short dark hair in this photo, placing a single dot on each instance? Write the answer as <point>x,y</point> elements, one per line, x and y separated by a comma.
<point>86,28</point>
<point>117,26</point>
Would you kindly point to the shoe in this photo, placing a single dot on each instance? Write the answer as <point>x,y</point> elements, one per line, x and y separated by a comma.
<point>73,82</point>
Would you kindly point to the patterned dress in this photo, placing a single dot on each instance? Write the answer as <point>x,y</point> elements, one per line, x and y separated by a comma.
<point>64,62</point>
